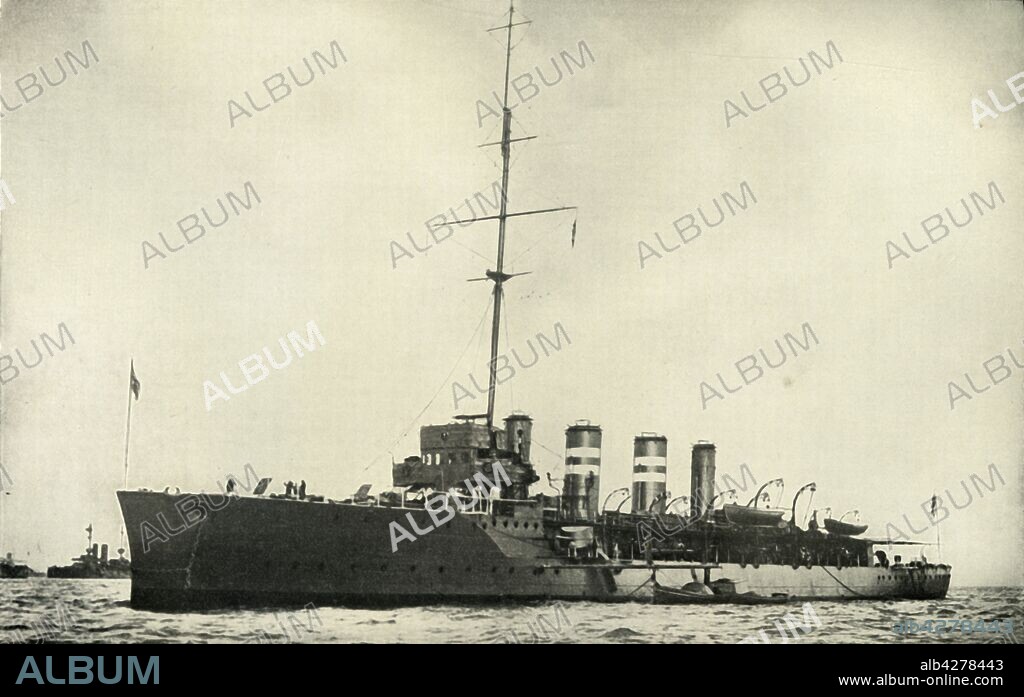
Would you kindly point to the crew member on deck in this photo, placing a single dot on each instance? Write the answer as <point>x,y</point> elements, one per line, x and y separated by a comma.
<point>495,495</point>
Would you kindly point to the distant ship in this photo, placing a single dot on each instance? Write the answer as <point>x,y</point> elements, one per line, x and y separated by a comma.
<point>461,525</point>
<point>9,568</point>
<point>12,569</point>
<point>93,564</point>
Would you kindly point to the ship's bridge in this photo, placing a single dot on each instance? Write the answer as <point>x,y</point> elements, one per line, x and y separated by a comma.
<point>454,452</point>
<point>455,443</point>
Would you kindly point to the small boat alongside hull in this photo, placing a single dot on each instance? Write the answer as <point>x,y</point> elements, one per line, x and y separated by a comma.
<point>664,595</point>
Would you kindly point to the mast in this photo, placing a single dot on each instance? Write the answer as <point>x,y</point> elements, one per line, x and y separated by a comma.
<point>498,276</point>
<point>506,132</point>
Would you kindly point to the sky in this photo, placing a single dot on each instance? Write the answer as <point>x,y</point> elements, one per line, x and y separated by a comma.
<point>636,139</point>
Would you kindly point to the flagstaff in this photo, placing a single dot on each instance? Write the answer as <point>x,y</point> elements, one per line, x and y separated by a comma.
<point>133,390</point>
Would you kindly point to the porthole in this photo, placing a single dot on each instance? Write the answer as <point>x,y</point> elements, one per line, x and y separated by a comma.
<point>515,524</point>
<point>494,569</point>
<point>440,569</point>
<point>511,569</point>
<point>504,524</point>
<point>412,568</point>
<point>469,569</point>
<point>383,567</point>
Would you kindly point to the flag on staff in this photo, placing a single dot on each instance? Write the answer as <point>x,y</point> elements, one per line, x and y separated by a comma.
<point>935,503</point>
<point>135,384</point>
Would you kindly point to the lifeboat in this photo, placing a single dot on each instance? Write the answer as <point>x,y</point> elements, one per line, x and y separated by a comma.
<point>745,515</point>
<point>836,527</point>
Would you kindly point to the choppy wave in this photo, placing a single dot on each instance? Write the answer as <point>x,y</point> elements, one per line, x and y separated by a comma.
<point>97,611</point>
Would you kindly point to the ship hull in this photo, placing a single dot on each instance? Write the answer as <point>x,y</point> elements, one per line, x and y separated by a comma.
<point>279,552</point>
<point>16,572</point>
<point>82,573</point>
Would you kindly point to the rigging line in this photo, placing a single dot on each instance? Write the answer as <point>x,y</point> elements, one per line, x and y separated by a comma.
<point>501,42</point>
<point>493,160</point>
<point>468,249</point>
<point>490,134</point>
<point>487,151</point>
<point>640,586</point>
<point>515,119</point>
<point>521,40</point>
<point>556,203</point>
<point>825,569</point>
<point>501,38</point>
<point>560,456</point>
<point>445,382</point>
<point>528,186</point>
<point>508,345</point>
<point>540,193</point>
<point>504,17</point>
<point>522,126</point>
<point>487,138</point>
<point>546,236</point>
<point>519,153</point>
<point>480,347</point>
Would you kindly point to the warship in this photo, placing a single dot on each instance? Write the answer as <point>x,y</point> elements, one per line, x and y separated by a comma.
<point>487,538</point>
<point>95,563</point>
<point>9,568</point>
